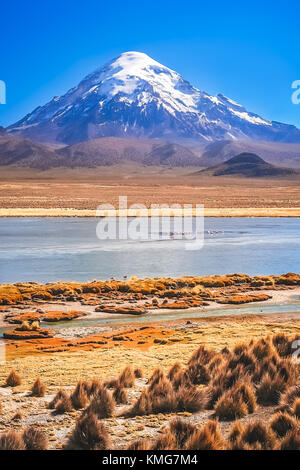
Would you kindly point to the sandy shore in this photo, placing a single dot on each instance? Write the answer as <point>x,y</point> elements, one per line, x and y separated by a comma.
<point>208,212</point>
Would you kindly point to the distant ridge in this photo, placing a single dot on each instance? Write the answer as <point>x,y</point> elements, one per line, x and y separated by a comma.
<point>247,165</point>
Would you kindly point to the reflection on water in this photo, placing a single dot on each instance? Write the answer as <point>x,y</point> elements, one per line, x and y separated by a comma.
<point>51,249</point>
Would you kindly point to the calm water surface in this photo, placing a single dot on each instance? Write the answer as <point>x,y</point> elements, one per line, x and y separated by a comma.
<point>51,249</point>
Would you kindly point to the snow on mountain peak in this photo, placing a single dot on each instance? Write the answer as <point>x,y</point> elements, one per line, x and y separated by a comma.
<point>134,95</point>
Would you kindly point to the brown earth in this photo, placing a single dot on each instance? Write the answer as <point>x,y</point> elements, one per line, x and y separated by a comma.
<point>84,189</point>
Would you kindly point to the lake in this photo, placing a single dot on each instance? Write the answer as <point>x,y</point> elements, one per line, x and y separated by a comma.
<point>52,249</point>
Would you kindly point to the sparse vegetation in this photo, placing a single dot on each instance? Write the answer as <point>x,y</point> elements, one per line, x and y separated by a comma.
<point>38,389</point>
<point>14,379</point>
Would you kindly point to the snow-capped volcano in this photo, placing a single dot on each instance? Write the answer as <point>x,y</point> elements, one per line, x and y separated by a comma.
<point>135,96</point>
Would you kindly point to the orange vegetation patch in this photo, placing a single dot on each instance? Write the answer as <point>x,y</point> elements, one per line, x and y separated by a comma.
<point>162,287</point>
<point>243,299</point>
<point>28,334</point>
<point>142,338</point>
<point>51,316</point>
<point>56,316</point>
<point>121,310</point>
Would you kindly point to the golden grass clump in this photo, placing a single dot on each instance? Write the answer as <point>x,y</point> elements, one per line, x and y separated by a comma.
<point>127,377</point>
<point>269,390</point>
<point>181,430</point>
<point>256,432</point>
<point>59,395</point>
<point>291,441</point>
<point>296,408</point>
<point>289,397</point>
<point>228,407</point>
<point>235,432</point>
<point>165,442</point>
<point>64,405</point>
<point>38,389</point>
<point>79,397</point>
<point>11,440</point>
<point>35,439</point>
<point>89,434</point>
<point>140,444</point>
<point>14,379</point>
<point>282,423</point>
<point>175,369</point>
<point>120,395</point>
<point>102,405</point>
<point>208,437</point>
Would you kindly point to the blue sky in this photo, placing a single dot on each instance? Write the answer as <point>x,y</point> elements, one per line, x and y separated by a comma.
<point>249,52</point>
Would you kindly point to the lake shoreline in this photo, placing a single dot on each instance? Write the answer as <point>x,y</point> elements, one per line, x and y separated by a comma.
<point>208,212</point>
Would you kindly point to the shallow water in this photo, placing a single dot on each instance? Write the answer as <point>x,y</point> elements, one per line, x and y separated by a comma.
<point>51,249</point>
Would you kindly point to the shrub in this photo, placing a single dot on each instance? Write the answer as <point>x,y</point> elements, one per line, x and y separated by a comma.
<point>291,441</point>
<point>120,395</point>
<point>246,393</point>
<point>269,390</point>
<point>138,373</point>
<point>181,430</point>
<point>79,397</point>
<point>64,404</point>
<point>202,356</point>
<point>281,343</point>
<point>174,370</point>
<point>156,377</point>
<point>282,423</point>
<point>38,389</point>
<point>290,395</point>
<point>165,442</point>
<point>11,440</point>
<point>256,432</point>
<point>208,437</point>
<point>141,444</point>
<point>191,399</point>
<point>198,374</point>
<point>229,407</point>
<point>296,408</point>
<point>60,394</point>
<point>89,434</point>
<point>93,387</point>
<point>35,439</point>
<point>102,405</point>
<point>235,432</point>
<point>127,378</point>
<point>14,379</point>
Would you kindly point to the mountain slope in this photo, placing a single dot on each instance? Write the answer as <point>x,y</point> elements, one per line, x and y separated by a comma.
<point>281,154</point>
<point>247,165</point>
<point>135,96</point>
<point>23,152</point>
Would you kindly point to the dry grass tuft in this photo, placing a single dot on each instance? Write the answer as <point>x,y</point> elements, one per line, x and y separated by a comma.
<point>14,379</point>
<point>102,405</point>
<point>127,377</point>
<point>208,437</point>
<point>291,441</point>
<point>181,430</point>
<point>166,441</point>
<point>256,432</point>
<point>282,423</point>
<point>38,389</point>
<point>141,444</point>
<point>120,395</point>
<point>89,434</point>
<point>35,439</point>
<point>11,440</point>
<point>79,397</point>
<point>269,389</point>
<point>228,407</point>
<point>296,408</point>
